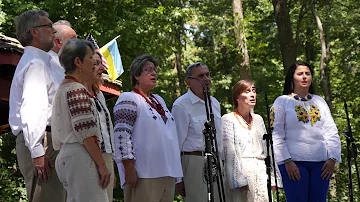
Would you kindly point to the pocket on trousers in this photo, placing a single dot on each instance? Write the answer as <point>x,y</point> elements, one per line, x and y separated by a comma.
<point>64,162</point>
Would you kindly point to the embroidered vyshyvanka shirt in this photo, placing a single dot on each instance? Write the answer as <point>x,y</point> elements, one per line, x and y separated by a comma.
<point>141,134</point>
<point>74,115</point>
<point>106,137</point>
<point>304,130</point>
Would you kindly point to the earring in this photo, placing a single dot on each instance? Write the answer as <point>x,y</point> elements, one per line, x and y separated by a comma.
<point>292,87</point>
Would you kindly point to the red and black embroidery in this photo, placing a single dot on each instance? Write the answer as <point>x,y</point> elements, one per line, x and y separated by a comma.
<point>84,125</point>
<point>78,101</point>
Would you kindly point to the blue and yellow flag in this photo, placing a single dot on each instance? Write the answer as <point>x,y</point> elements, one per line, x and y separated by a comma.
<point>112,56</point>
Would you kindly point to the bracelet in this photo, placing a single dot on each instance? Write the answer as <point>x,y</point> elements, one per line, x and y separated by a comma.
<point>334,159</point>
<point>287,161</point>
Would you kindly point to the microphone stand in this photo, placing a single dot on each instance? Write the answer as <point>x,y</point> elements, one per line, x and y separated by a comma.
<point>270,149</point>
<point>211,149</point>
<point>351,152</point>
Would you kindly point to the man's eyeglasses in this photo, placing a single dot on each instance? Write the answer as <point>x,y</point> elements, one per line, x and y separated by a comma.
<point>50,25</point>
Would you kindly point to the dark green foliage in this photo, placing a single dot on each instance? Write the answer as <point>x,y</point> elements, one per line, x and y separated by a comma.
<point>207,35</point>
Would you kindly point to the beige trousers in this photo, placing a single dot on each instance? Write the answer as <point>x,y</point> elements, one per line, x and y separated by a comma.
<point>194,181</point>
<point>79,175</point>
<point>151,190</point>
<point>36,190</point>
<point>110,165</point>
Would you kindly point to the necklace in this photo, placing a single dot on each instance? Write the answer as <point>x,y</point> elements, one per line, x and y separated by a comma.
<point>305,98</point>
<point>87,92</point>
<point>248,125</point>
<point>154,103</point>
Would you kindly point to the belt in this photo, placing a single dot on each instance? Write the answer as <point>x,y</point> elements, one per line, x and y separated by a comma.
<point>194,153</point>
<point>48,129</point>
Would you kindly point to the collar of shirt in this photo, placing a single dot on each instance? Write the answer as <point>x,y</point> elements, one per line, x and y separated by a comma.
<point>32,51</point>
<point>194,98</point>
<point>55,58</point>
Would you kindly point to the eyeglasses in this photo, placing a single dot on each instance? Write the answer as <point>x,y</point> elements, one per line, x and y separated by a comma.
<point>50,25</point>
<point>150,70</point>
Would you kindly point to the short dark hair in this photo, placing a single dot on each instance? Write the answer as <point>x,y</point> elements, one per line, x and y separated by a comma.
<point>192,66</point>
<point>70,50</point>
<point>289,78</point>
<point>238,88</point>
<point>137,65</point>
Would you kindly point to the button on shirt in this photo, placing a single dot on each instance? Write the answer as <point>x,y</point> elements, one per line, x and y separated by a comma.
<point>190,115</point>
<point>57,70</point>
<point>31,93</point>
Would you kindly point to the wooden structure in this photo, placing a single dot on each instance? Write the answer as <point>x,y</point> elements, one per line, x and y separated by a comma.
<point>10,53</point>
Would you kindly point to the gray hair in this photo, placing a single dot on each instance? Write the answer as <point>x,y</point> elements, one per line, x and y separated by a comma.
<point>70,50</point>
<point>60,32</point>
<point>192,66</point>
<point>137,65</point>
<point>62,22</point>
<point>25,22</point>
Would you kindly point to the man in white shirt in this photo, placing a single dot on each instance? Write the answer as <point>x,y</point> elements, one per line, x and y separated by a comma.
<point>31,93</point>
<point>190,115</point>
<point>63,33</point>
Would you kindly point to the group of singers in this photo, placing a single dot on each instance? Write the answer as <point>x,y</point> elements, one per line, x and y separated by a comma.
<point>66,140</point>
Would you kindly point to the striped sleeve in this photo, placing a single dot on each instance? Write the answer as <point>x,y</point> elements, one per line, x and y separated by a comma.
<point>82,116</point>
<point>125,114</point>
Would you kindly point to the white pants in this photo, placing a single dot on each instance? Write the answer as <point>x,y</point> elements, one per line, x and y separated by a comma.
<point>78,173</point>
<point>110,165</point>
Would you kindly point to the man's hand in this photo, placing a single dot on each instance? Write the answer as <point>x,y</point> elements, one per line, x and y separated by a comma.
<point>180,189</point>
<point>42,166</point>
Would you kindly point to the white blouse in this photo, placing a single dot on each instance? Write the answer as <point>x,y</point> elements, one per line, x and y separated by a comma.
<point>304,130</point>
<point>106,137</point>
<point>239,143</point>
<point>141,134</point>
<point>74,115</point>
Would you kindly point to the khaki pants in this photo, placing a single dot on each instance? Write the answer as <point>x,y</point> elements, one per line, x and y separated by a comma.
<point>79,175</point>
<point>37,191</point>
<point>151,190</point>
<point>194,181</point>
<point>110,165</point>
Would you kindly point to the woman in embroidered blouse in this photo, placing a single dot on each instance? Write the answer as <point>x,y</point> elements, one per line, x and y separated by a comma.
<point>306,140</point>
<point>106,139</point>
<point>146,144</point>
<point>75,123</point>
<point>244,148</point>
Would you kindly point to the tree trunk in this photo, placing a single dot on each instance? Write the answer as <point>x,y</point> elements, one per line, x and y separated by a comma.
<point>324,71</point>
<point>244,60</point>
<point>178,52</point>
<point>224,58</point>
<point>287,45</point>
